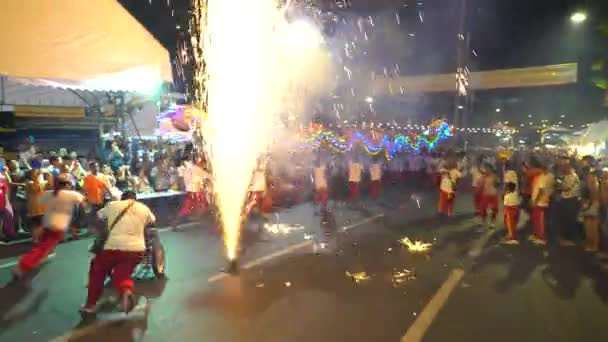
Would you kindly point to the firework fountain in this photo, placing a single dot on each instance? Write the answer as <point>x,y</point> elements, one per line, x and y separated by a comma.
<point>250,66</point>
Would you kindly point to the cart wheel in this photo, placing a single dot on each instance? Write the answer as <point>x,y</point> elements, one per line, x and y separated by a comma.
<point>159,258</point>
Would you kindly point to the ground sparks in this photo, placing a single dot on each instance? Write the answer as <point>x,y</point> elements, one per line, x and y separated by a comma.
<point>415,246</point>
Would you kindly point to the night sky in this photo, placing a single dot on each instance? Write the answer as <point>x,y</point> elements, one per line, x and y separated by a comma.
<point>504,33</point>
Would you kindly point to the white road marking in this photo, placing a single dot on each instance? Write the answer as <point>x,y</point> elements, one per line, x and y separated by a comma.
<point>416,331</point>
<point>264,259</point>
<point>364,221</point>
<point>287,250</point>
<point>107,321</point>
<point>79,333</point>
<point>478,245</point>
<point>160,230</point>
<point>15,262</point>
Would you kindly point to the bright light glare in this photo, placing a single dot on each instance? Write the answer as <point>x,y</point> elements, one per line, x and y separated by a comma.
<point>578,17</point>
<point>369,99</point>
<point>257,66</point>
<point>140,79</point>
<point>301,35</point>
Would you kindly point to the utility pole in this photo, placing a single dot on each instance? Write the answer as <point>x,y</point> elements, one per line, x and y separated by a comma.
<point>462,75</point>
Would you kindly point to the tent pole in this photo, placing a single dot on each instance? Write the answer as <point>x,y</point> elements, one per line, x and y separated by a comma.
<point>2,93</point>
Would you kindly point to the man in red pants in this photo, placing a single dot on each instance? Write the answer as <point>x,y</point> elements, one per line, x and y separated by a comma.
<point>488,200</point>
<point>375,175</point>
<point>320,179</point>
<point>542,189</point>
<point>447,188</point>
<point>60,205</point>
<point>354,180</point>
<point>122,251</point>
<point>195,201</point>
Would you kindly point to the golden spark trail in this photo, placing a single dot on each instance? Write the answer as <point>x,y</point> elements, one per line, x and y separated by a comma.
<point>244,77</point>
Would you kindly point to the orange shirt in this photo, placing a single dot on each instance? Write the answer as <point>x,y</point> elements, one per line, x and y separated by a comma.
<point>34,191</point>
<point>94,188</point>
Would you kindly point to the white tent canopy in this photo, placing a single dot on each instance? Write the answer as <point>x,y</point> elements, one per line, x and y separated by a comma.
<point>93,45</point>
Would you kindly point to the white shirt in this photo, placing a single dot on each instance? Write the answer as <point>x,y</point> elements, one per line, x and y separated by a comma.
<point>375,172</point>
<point>475,176</point>
<point>448,180</point>
<point>59,208</point>
<point>544,181</point>
<point>354,172</point>
<point>415,163</point>
<point>258,182</point>
<point>511,199</point>
<point>510,176</point>
<point>432,165</point>
<point>193,178</point>
<point>319,177</point>
<point>395,165</point>
<point>570,186</point>
<point>128,233</point>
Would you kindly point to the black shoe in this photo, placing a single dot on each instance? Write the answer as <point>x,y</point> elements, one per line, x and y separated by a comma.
<point>17,280</point>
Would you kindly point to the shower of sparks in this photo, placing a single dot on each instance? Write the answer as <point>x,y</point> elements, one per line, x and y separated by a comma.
<point>280,228</point>
<point>415,246</point>
<point>250,65</point>
<point>358,277</point>
<point>400,277</point>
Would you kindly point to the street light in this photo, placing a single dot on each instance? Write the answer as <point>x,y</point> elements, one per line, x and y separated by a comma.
<point>369,99</point>
<point>578,17</point>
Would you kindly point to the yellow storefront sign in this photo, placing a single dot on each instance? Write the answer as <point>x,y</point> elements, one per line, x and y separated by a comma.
<point>49,112</point>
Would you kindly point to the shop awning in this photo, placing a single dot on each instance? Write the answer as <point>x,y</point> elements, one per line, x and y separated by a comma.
<point>93,45</point>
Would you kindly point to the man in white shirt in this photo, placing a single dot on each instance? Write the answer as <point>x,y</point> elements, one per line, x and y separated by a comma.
<point>375,174</point>
<point>194,178</point>
<point>320,180</point>
<point>447,188</point>
<point>542,189</point>
<point>354,180</point>
<point>257,189</point>
<point>567,205</point>
<point>60,205</point>
<point>122,251</point>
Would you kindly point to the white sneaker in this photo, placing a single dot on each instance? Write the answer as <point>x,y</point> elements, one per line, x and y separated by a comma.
<point>539,242</point>
<point>509,242</point>
<point>567,243</point>
<point>602,255</point>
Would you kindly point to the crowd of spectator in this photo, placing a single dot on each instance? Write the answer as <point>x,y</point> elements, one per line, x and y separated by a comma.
<point>152,166</point>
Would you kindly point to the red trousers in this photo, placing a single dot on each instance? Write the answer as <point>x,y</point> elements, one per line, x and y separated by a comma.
<point>488,202</point>
<point>194,201</point>
<point>434,178</point>
<point>117,264</point>
<point>446,203</point>
<point>353,191</point>
<point>322,197</point>
<point>374,189</point>
<point>259,200</point>
<point>44,247</point>
<point>538,222</point>
<point>511,215</point>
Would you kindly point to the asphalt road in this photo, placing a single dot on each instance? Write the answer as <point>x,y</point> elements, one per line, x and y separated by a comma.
<point>465,288</point>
